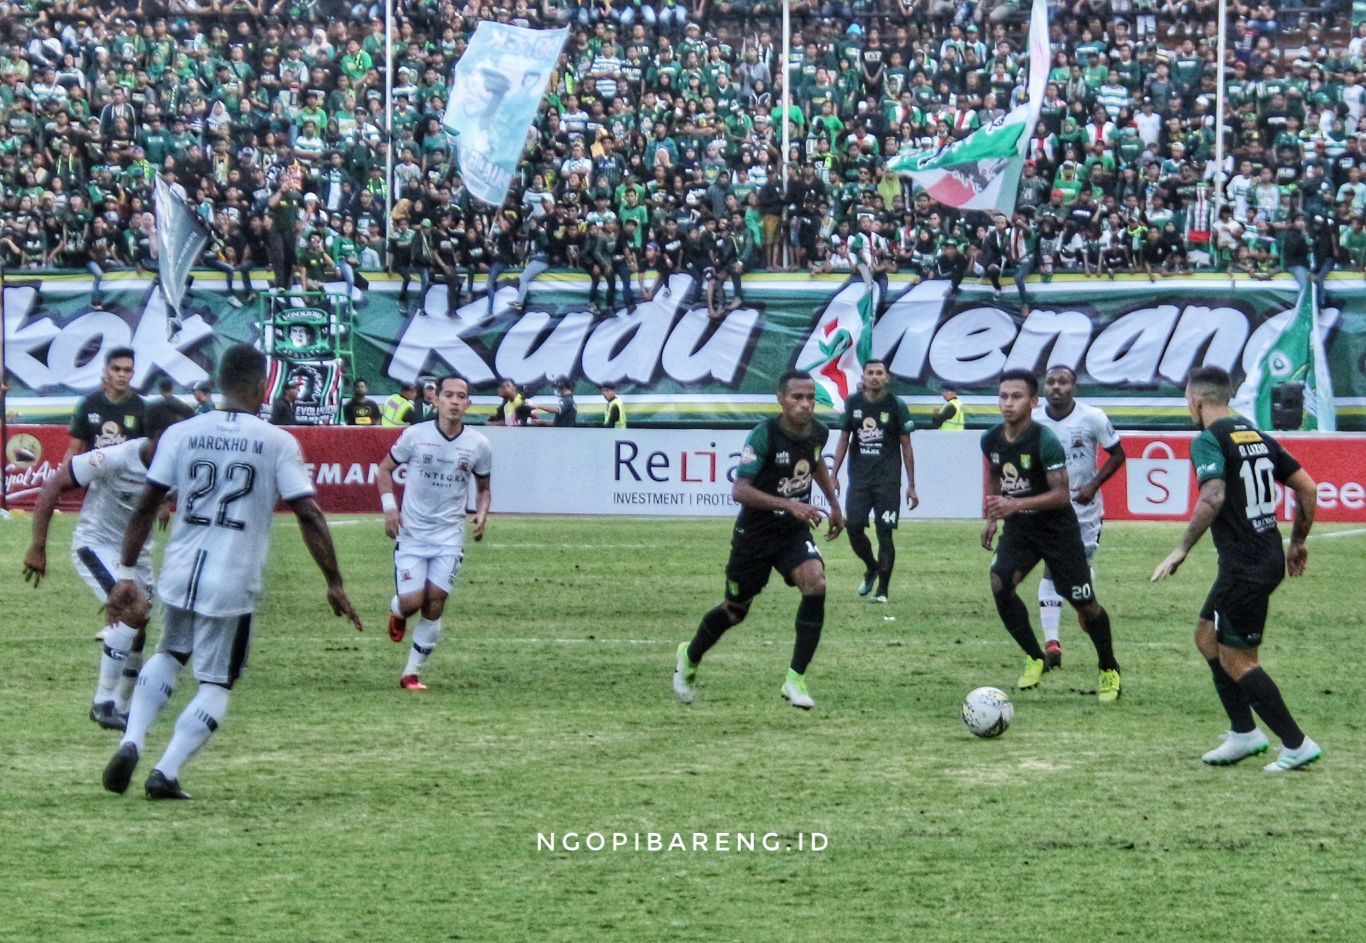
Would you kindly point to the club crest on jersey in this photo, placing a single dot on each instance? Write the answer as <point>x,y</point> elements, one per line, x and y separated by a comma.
<point>130,422</point>
<point>886,418</point>
<point>427,459</point>
<point>1025,461</point>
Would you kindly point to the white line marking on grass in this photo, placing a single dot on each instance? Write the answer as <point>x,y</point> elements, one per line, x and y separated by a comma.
<point>1355,532</point>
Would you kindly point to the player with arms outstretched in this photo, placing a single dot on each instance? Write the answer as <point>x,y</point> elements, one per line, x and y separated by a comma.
<point>1083,430</point>
<point>780,460</point>
<point>113,478</point>
<point>443,456</point>
<point>228,468</point>
<point>1236,465</point>
<point>1027,485</point>
<point>881,426</point>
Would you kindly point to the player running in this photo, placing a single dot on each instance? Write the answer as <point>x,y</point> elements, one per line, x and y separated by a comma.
<point>781,458</point>
<point>882,425</point>
<point>1082,430</point>
<point>442,455</point>
<point>113,477</point>
<point>229,469</point>
<point>1236,466</point>
<point>1028,485</point>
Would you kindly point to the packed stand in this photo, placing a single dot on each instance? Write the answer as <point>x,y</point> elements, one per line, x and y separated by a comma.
<point>660,147</point>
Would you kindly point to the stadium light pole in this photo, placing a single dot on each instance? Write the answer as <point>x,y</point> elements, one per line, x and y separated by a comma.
<point>388,121</point>
<point>1221,51</point>
<point>786,101</point>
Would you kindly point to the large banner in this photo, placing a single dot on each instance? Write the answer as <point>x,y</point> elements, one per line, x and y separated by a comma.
<point>496,89</point>
<point>1131,343</point>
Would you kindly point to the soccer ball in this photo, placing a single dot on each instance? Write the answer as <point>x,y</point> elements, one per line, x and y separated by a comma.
<point>987,711</point>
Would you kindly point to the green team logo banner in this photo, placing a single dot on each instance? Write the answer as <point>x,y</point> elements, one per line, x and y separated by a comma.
<point>1131,343</point>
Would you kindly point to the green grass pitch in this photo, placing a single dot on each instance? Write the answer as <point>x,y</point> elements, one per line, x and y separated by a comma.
<point>334,807</point>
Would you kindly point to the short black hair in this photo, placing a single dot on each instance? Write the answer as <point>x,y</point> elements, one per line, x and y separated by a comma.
<point>786,379</point>
<point>874,360</point>
<point>118,353</point>
<point>1061,366</point>
<point>1213,383</point>
<point>160,416</point>
<point>441,382</point>
<point>165,385</point>
<point>241,369</point>
<point>1025,376</point>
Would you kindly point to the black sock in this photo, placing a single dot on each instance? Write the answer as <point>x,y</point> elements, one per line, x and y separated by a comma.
<point>886,559</point>
<point>863,548</point>
<point>810,619</point>
<point>1099,630</point>
<point>1232,697</point>
<point>709,632</point>
<point>1016,618</point>
<point>1266,700</point>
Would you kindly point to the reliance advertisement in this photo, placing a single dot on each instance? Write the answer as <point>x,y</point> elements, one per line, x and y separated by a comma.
<point>689,472</point>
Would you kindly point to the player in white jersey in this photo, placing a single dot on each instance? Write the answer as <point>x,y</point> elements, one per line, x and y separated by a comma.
<point>1083,430</point>
<point>229,468</point>
<point>113,478</point>
<point>442,456</point>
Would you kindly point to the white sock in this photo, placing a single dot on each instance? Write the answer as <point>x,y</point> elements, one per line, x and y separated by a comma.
<point>194,727</point>
<point>112,659</point>
<point>156,683</point>
<point>393,607</point>
<point>426,634</point>
<point>1050,610</point>
<point>123,691</point>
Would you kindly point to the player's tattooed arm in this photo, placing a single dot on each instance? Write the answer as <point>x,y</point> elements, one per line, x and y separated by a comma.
<point>35,561</point>
<point>1306,504</point>
<point>318,539</point>
<point>1207,508</point>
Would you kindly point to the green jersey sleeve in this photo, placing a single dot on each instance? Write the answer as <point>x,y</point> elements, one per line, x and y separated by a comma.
<point>904,420</point>
<point>755,452</point>
<point>1050,451</point>
<point>1207,457</point>
<point>986,445</point>
<point>849,425</point>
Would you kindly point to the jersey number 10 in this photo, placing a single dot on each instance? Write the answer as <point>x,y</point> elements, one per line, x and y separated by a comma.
<point>204,477</point>
<point>1259,487</point>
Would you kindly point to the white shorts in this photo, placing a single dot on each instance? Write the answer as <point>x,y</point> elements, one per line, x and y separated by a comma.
<point>1090,536</point>
<point>96,565</point>
<point>414,570</point>
<point>219,644</point>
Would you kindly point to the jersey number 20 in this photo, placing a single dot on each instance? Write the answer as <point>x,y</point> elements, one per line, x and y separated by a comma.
<point>204,476</point>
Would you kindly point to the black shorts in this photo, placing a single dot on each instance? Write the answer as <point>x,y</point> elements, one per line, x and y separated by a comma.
<point>753,557</point>
<point>883,498</point>
<point>1060,548</point>
<point>1237,607</point>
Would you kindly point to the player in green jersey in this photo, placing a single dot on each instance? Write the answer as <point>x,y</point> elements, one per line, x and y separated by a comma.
<point>1236,465</point>
<point>1028,486</point>
<point>778,465</point>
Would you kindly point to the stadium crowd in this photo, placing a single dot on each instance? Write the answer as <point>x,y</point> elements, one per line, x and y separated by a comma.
<point>660,145</point>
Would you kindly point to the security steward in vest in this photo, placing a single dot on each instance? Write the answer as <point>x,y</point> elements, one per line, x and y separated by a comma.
<point>952,417</point>
<point>398,409</point>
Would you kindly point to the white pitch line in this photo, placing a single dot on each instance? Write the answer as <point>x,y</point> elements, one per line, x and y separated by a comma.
<point>1354,532</point>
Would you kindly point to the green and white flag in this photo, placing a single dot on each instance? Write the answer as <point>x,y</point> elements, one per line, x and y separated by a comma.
<point>841,343</point>
<point>1295,355</point>
<point>496,90</point>
<point>982,171</point>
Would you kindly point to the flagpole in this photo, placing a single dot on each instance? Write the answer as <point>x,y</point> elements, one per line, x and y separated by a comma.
<point>388,120</point>
<point>1219,55</point>
<point>786,103</point>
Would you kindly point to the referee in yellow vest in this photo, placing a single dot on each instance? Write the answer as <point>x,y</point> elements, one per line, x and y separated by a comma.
<point>398,408</point>
<point>614,415</point>
<point>953,416</point>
